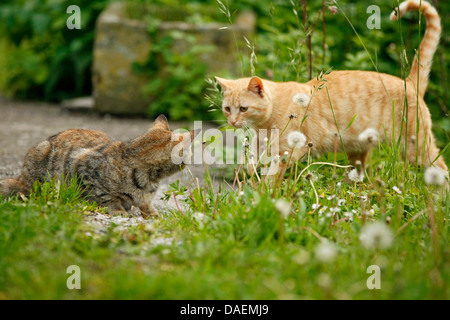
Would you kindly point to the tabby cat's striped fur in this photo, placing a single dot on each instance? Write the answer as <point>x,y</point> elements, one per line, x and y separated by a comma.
<point>115,174</point>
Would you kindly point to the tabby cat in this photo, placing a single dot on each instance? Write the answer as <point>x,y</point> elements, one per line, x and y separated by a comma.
<point>263,104</point>
<point>115,174</point>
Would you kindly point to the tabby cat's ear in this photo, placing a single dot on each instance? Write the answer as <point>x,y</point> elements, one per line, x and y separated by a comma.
<point>162,122</point>
<point>256,85</point>
<point>222,83</point>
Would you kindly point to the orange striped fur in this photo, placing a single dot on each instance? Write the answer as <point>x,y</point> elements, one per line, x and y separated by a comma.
<point>377,99</point>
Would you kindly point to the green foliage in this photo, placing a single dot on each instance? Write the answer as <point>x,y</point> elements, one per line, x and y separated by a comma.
<point>175,90</point>
<point>226,244</point>
<point>42,58</point>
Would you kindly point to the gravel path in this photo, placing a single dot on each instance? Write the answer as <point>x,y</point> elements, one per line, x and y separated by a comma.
<point>23,124</point>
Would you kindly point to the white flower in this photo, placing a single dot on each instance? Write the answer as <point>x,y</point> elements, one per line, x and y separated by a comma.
<point>301,98</point>
<point>397,190</point>
<point>322,210</point>
<point>241,193</point>
<point>341,202</point>
<point>296,139</point>
<point>315,206</point>
<point>349,215</point>
<point>286,153</point>
<point>326,252</point>
<point>354,176</point>
<point>376,235</point>
<point>370,213</point>
<point>435,176</point>
<point>335,209</point>
<point>369,135</point>
<point>198,216</point>
<point>283,207</point>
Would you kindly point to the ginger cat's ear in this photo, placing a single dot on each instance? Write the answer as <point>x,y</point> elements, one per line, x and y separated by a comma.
<point>162,122</point>
<point>223,83</point>
<point>256,85</point>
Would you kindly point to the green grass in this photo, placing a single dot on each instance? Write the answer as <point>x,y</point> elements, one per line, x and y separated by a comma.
<point>242,248</point>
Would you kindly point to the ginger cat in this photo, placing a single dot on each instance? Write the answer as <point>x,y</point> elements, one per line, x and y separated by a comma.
<point>115,174</point>
<point>262,104</point>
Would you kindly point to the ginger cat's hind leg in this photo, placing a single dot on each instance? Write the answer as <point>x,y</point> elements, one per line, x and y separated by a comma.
<point>426,155</point>
<point>355,159</point>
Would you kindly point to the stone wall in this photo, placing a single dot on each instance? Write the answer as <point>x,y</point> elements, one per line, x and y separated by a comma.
<point>120,42</point>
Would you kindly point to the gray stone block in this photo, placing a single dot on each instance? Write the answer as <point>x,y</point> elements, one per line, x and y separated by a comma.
<point>121,41</point>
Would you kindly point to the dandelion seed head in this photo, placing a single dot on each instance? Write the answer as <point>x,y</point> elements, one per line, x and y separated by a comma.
<point>353,175</point>
<point>301,99</point>
<point>376,235</point>
<point>370,135</point>
<point>296,139</point>
<point>311,177</point>
<point>283,207</point>
<point>326,252</point>
<point>435,176</point>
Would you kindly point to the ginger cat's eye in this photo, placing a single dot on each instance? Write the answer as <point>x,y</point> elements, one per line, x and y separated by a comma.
<point>227,109</point>
<point>243,109</point>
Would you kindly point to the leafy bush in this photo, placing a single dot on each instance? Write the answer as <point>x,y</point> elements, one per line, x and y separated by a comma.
<point>42,58</point>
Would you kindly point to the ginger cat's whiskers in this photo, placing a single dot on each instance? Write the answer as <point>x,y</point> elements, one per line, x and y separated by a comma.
<point>368,96</point>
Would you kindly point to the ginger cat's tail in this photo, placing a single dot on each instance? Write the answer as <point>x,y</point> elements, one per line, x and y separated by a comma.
<point>429,42</point>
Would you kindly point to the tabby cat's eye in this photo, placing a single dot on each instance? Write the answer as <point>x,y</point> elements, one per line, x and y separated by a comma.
<point>227,109</point>
<point>243,109</point>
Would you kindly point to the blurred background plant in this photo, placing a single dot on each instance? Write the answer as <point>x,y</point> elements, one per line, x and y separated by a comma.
<point>41,59</point>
